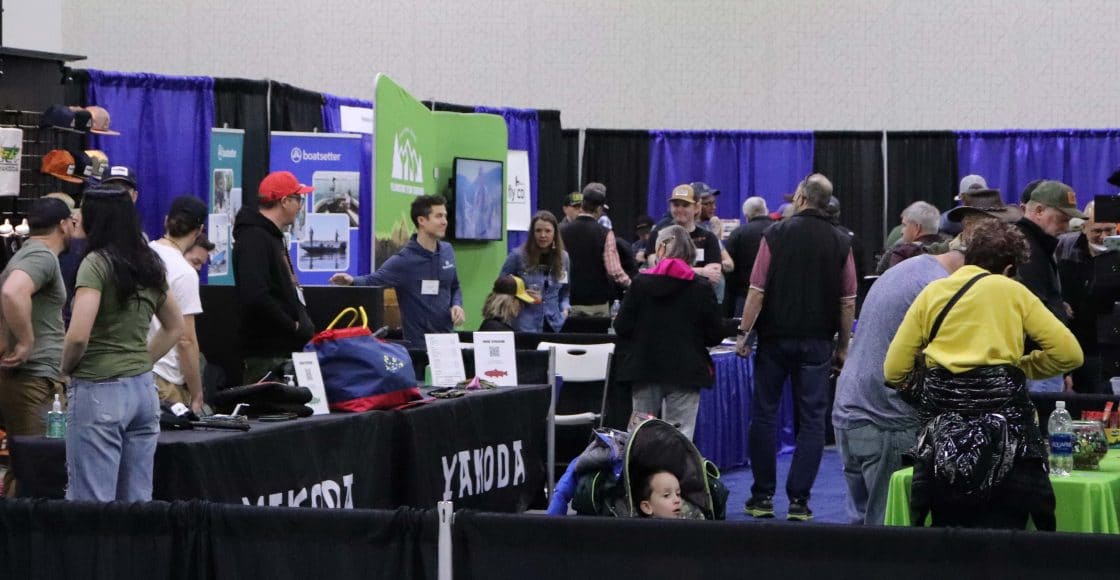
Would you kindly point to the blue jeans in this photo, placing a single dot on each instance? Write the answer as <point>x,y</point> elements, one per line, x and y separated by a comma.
<point>111,432</point>
<point>807,363</point>
<point>871,455</point>
<point>1048,385</point>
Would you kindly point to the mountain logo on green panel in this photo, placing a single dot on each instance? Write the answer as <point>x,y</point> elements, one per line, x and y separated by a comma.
<point>408,167</point>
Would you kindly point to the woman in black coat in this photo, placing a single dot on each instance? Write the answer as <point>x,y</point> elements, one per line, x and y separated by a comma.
<point>667,321</point>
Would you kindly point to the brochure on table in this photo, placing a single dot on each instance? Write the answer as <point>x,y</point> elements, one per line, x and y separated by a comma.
<point>309,375</point>
<point>495,358</point>
<point>445,358</point>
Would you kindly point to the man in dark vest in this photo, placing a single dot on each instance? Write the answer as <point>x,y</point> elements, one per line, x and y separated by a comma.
<point>594,257</point>
<point>802,294</point>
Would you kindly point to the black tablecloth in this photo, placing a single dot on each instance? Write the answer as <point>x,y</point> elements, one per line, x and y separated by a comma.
<point>487,451</point>
<point>379,459</point>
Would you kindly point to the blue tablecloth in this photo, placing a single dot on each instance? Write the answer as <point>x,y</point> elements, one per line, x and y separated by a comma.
<point>724,418</point>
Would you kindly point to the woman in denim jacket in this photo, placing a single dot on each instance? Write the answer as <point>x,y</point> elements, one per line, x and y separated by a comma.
<point>543,264</point>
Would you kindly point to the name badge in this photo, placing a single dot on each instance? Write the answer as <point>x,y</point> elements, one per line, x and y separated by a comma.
<point>699,255</point>
<point>429,287</point>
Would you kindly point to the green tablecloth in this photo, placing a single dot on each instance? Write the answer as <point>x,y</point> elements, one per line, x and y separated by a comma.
<point>1087,501</point>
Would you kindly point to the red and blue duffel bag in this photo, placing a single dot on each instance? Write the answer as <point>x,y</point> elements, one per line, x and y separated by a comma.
<point>361,372</point>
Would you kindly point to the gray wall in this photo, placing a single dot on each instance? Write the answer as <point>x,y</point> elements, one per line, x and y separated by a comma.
<point>766,64</point>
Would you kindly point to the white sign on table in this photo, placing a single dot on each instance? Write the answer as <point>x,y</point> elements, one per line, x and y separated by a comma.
<point>518,213</point>
<point>495,358</point>
<point>446,359</point>
<point>309,375</point>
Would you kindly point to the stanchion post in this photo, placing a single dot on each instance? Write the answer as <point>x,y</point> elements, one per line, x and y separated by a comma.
<point>446,511</point>
<point>550,436</point>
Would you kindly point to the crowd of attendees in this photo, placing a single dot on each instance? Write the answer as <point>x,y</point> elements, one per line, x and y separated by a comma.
<point>992,300</point>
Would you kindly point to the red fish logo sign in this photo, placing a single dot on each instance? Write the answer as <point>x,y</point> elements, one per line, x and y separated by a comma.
<point>495,373</point>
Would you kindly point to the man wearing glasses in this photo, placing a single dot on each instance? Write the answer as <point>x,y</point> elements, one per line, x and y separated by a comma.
<point>1081,256</point>
<point>274,320</point>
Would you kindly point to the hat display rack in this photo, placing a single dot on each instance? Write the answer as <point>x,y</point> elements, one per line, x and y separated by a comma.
<point>37,142</point>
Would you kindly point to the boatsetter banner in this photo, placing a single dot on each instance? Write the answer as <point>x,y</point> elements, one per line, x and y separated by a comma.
<point>226,147</point>
<point>324,239</point>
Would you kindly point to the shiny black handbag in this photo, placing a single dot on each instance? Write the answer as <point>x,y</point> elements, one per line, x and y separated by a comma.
<point>911,388</point>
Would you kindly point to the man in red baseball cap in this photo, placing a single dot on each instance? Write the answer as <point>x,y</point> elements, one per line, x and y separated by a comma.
<point>274,320</point>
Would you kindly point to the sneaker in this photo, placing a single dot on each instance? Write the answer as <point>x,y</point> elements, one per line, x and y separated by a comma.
<point>760,506</point>
<point>799,511</point>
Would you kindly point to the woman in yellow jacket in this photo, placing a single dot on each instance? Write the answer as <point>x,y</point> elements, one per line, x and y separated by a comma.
<point>980,460</point>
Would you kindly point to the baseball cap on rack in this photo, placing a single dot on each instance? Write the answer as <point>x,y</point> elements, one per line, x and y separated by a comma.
<point>98,163</point>
<point>60,163</point>
<point>66,118</point>
<point>99,121</point>
<point>280,184</point>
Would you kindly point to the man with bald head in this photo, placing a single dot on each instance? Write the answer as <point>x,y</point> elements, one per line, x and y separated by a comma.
<point>802,293</point>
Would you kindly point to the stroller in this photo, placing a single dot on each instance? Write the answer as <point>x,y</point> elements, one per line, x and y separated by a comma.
<point>601,480</point>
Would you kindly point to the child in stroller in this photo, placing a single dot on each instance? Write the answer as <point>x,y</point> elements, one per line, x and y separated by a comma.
<point>606,478</point>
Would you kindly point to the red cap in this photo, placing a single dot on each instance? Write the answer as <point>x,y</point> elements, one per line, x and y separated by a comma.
<point>281,184</point>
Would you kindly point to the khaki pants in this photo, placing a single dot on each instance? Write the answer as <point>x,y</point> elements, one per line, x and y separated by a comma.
<point>600,310</point>
<point>24,403</point>
<point>171,393</point>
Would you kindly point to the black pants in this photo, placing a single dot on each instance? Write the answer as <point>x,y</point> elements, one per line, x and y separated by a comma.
<point>1025,492</point>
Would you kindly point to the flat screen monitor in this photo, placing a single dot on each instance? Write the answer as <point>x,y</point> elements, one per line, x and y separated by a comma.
<point>479,200</point>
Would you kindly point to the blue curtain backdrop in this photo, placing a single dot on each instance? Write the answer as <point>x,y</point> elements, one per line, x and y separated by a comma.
<point>165,136</point>
<point>522,127</point>
<point>1009,160</point>
<point>740,164</point>
<point>332,123</point>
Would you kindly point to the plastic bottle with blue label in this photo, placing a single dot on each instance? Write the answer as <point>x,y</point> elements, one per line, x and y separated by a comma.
<point>56,420</point>
<point>1060,427</point>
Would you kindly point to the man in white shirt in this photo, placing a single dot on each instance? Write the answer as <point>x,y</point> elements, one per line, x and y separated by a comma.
<point>178,375</point>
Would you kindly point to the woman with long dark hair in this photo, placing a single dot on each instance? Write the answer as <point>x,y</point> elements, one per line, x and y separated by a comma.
<point>543,264</point>
<point>113,414</point>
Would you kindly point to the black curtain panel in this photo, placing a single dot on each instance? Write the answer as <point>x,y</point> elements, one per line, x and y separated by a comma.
<point>620,160</point>
<point>552,159</point>
<point>853,161</point>
<point>75,88</point>
<point>571,160</point>
<point>449,107</point>
<point>243,104</point>
<point>294,109</point>
<point>921,166</point>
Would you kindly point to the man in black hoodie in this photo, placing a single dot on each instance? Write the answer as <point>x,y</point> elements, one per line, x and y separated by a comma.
<point>274,320</point>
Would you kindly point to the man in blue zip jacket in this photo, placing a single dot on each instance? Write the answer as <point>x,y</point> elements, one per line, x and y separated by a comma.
<point>423,274</point>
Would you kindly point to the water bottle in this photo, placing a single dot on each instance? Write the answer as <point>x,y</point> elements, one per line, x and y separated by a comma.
<point>1061,440</point>
<point>614,313</point>
<point>56,421</point>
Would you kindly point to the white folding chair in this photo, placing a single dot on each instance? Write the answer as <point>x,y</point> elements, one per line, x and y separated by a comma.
<point>575,364</point>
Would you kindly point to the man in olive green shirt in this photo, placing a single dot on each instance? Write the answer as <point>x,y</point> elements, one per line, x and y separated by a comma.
<point>31,300</point>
